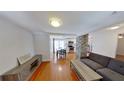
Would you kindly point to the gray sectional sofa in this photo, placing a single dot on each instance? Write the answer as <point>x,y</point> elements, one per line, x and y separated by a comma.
<point>110,69</point>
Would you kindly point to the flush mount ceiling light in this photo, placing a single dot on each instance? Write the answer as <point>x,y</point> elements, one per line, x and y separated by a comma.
<point>55,22</point>
<point>114,27</point>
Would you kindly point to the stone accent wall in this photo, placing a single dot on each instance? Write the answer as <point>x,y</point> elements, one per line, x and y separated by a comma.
<point>81,46</point>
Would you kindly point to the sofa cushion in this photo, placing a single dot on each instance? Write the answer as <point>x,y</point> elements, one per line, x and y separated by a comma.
<point>103,60</point>
<point>0,78</point>
<point>109,74</point>
<point>92,64</point>
<point>117,66</point>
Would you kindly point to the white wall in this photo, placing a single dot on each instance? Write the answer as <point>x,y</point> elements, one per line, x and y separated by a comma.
<point>104,42</point>
<point>120,48</point>
<point>14,42</point>
<point>42,45</point>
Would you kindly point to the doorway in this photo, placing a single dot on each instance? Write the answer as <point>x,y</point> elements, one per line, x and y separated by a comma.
<point>61,43</point>
<point>120,47</point>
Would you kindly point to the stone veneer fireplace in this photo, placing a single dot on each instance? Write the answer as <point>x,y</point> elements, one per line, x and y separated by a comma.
<point>81,46</point>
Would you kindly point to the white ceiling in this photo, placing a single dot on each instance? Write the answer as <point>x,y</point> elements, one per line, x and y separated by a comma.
<point>73,22</point>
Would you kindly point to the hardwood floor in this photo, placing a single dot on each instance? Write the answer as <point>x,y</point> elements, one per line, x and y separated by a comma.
<point>120,57</point>
<point>56,70</point>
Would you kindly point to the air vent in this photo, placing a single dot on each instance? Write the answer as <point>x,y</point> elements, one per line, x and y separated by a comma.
<point>114,12</point>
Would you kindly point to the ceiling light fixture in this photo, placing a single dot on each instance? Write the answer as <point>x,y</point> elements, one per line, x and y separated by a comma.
<point>114,27</point>
<point>55,22</point>
<point>121,36</point>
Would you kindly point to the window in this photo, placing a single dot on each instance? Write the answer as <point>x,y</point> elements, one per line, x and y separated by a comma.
<point>59,44</point>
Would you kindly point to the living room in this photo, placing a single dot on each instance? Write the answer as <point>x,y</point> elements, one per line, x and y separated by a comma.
<point>61,46</point>
<point>27,40</point>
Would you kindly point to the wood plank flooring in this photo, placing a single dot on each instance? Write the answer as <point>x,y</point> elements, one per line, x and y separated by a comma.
<point>56,70</point>
<point>120,57</point>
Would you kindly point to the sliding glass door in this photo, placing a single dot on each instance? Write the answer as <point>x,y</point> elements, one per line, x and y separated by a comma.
<point>59,44</point>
